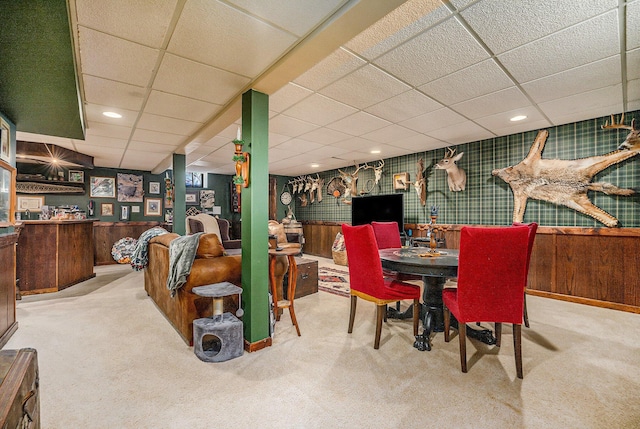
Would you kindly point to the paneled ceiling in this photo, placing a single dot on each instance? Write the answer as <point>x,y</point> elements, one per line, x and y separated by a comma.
<point>345,78</point>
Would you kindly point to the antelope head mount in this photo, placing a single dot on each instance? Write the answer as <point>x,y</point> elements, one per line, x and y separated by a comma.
<point>566,182</point>
<point>456,177</point>
<point>351,182</point>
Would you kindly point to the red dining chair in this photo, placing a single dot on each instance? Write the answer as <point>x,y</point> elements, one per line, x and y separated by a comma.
<point>533,227</point>
<point>492,273</point>
<point>366,280</point>
<point>388,237</point>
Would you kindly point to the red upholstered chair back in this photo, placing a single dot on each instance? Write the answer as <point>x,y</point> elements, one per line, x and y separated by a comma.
<point>365,268</point>
<point>387,234</point>
<point>533,227</point>
<point>492,273</point>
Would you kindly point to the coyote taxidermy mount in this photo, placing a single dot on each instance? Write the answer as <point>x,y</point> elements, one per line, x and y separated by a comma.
<point>566,182</point>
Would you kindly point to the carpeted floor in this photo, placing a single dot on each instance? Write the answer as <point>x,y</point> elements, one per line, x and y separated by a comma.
<point>109,359</point>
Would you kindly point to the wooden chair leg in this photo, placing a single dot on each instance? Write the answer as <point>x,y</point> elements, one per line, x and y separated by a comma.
<point>526,315</point>
<point>498,330</point>
<point>517,346</point>
<point>416,316</point>
<point>385,313</point>
<point>462,334</point>
<point>352,313</point>
<point>447,323</point>
<point>380,309</point>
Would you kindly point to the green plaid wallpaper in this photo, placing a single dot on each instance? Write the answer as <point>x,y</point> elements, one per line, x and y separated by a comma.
<point>488,200</point>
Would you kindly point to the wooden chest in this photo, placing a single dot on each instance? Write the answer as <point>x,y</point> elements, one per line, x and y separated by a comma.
<point>307,277</point>
<point>19,394</point>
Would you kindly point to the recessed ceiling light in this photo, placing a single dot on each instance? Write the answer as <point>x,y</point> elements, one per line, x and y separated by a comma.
<point>518,118</point>
<point>112,115</point>
<point>315,165</point>
<point>375,151</point>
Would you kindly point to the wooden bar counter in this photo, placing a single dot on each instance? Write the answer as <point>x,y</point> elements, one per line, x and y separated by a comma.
<point>54,254</point>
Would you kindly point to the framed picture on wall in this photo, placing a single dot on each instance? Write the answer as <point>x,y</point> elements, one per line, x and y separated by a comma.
<point>401,181</point>
<point>130,188</point>
<point>7,194</point>
<point>124,212</point>
<point>106,209</point>
<point>153,206</point>
<point>5,141</point>
<point>191,198</point>
<point>76,176</point>
<point>154,187</point>
<point>32,203</point>
<point>102,187</point>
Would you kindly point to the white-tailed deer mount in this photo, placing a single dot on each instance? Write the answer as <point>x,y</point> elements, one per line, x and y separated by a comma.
<point>420,184</point>
<point>566,182</point>
<point>456,177</point>
<point>351,182</point>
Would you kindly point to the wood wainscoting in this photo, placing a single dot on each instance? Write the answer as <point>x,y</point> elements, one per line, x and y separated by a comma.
<point>8,323</point>
<point>594,266</point>
<point>107,233</point>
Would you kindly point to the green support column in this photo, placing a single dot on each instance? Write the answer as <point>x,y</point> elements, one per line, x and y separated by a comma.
<point>179,194</point>
<point>255,207</point>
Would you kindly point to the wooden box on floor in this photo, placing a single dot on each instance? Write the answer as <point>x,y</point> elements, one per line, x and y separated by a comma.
<point>307,282</point>
<point>19,393</point>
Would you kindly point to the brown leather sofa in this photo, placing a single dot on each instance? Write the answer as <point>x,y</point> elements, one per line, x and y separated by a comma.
<point>210,266</point>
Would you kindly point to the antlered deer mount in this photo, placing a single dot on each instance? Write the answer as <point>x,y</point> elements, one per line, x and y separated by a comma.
<point>566,182</point>
<point>456,177</point>
<point>420,184</point>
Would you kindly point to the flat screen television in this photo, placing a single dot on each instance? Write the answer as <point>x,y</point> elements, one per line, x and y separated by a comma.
<point>380,208</point>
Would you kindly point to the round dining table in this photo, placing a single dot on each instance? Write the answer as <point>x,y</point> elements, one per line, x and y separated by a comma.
<point>435,266</point>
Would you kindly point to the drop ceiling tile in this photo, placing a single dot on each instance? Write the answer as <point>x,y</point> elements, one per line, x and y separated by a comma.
<point>204,83</point>
<point>116,59</point>
<point>592,104</point>
<point>578,45</point>
<point>406,21</point>
<point>461,133</point>
<point>493,19</point>
<point>500,101</point>
<point>432,54</point>
<point>633,95</point>
<point>93,114</point>
<point>338,64</point>
<point>325,135</point>
<point>460,4</point>
<point>389,134</point>
<point>580,79</point>
<point>175,106</point>
<point>144,22</point>
<point>633,64</point>
<point>297,145</point>
<point>110,93</point>
<point>433,120</point>
<point>108,130</point>
<point>291,127</point>
<point>320,110</point>
<point>501,120</point>
<point>328,151</point>
<point>470,82</point>
<point>286,97</point>
<point>521,127</point>
<point>151,147</point>
<point>403,106</point>
<point>418,143</point>
<point>141,160</point>
<point>633,25</point>
<point>297,17</point>
<point>276,154</point>
<point>234,41</point>
<point>105,152</point>
<point>157,137</point>
<point>358,124</point>
<point>167,125</point>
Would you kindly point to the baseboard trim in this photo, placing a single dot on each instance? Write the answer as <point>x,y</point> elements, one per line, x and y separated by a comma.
<point>586,301</point>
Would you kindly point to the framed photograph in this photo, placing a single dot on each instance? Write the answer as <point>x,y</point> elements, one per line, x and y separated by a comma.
<point>102,187</point>
<point>5,141</point>
<point>207,199</point>
<point>154,187</point>
<point>76,176</point>
<point>124,212</point>
<point>401,181</point>
<point>194,180</point>
<point>153,207</point>
<point>130,188</point>
<point>106,209</point>
<point>7,194</point>
<point>135,209</point>
<point>31,203</point>
<point>191,198</point>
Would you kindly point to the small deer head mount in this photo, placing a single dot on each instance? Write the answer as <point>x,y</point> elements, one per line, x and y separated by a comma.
<point>456,177</point>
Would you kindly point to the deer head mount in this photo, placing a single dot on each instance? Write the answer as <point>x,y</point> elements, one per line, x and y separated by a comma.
<point>420,184</point>
<point>566,182</point>
<point>351,182</point>
<point>456,177</point>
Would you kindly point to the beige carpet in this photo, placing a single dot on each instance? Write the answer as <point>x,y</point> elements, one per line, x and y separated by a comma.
<point>109,359</point>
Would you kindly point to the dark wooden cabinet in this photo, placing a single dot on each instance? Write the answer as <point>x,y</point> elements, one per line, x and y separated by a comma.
<point>53,255</point>
<point>107,233</point>
<point>8,324</point>
<point>19,389</point>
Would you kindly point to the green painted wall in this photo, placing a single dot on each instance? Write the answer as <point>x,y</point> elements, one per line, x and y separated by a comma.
<point>488,200</point>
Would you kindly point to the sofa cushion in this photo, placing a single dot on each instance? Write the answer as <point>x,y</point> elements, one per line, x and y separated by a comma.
<point>209,246</point>
<point>164,239</point>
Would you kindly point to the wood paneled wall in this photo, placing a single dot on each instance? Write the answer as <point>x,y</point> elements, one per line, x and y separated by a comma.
<point>595,266</point>
<point>8,324</point>
<point>107,233</point>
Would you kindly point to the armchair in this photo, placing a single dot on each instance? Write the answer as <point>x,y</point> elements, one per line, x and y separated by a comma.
<point>206,223</point>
